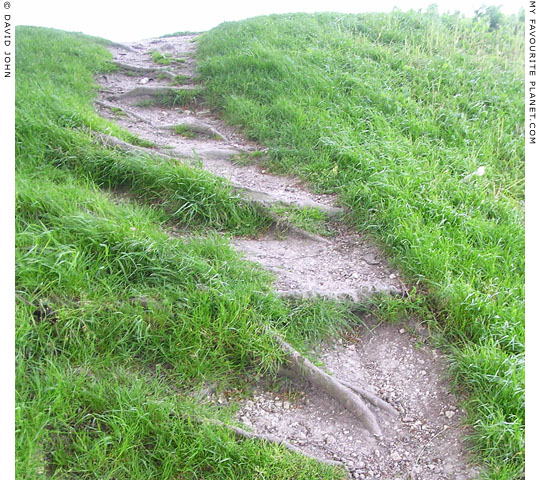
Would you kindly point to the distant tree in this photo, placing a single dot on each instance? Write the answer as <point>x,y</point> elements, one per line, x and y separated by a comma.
<point>492,14</point>
<point>432,9</point>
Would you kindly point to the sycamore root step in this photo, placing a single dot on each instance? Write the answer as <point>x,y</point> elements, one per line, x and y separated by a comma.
<point>352,295</point>
<point>240,432</point>
<point>146,91</point>
<point>128,112</point>
<point>371,398</point>
<point>145,70</point>
<point>267,199</point>
<point>286,227</point>
<point>110,141</point>
<point>123,46</point>
<point>344,395</point>
<point>205,153</point>
<point>193,125</point>
<point>367,395</point>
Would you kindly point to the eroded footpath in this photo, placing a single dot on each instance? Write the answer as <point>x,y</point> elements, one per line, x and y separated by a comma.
<point>160,103</point>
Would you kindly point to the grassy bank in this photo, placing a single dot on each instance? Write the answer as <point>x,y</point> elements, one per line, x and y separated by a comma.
<point>118,324</point>
<point>416,120</point>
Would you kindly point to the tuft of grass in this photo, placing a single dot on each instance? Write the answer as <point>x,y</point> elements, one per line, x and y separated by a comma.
<point>394,112</point>
<point>180,34</point>
<point>161,58</point>
<point>189,97</point>
<point>118,111</point>
<point>165,58</point>
<point>145,103</point>
<point>128,73</point>
<point>140,142</point>
<point>247,158</point>
<point>306,218</point>
<point>180,79</point>
<point>184,131</point>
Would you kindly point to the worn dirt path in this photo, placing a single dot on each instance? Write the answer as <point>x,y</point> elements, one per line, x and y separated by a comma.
<point>426,440</point>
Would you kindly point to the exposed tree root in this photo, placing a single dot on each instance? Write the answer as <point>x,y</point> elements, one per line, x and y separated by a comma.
<point>352,295</point>
<point>368,396</point>
<point>194,125</point>
<point>145,70</point>
<point>217,154</point>
<point>123,47</point>
<point>145,91</point>
<point>287,227</point>
<point>371,398</point>
<point>110,141</point>
<point>240,432</point>
<point>267,199</point>
<point>344,395</point>
<point>190,123</point>
<point>128,112</point>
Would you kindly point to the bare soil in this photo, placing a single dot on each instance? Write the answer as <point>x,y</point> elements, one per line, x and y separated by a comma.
<point>426,440</point>
<point>343,267</point>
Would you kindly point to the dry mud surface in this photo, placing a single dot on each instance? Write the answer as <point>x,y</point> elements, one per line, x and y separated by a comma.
<point>343,267</point>
<point>426,440</point>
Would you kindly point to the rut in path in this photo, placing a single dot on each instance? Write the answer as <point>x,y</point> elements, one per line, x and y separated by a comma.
<point>140,96</point>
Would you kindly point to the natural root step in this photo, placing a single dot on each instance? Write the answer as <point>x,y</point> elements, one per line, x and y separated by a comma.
<point>267,199</point>
<point>286,227</point>
<point>371,397</point>
<point>189,123</point>
<point>240,432</point>
<point>352,295</point>
<point>365,394</point>
<point>145,70</point>
<point>206,153</point>
<point>193,125</point>
<point>110,141</point>
<point>129,113</point>
<point>123,47</point>
<point>145,91</point>
<point>337,390</point>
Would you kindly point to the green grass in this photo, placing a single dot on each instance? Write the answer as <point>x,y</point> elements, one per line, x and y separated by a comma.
<point>190,97</point>
<point>184,131</point>
<point>393,112</point>
<point>141,142</point>
<point>165,58</point>
<point>309,219</point>
<point>118,111</point>
<point>180,34</point>
<point>136,320</point>
<point>160,58</point>
<point>180,79</point>
<point>247,158</point>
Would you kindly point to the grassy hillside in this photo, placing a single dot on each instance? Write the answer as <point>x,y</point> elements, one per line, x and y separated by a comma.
<point>118,324</point>
<point>401,114</point>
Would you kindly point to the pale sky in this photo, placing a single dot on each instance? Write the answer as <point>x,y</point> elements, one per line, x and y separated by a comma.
<point>134,20</point>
